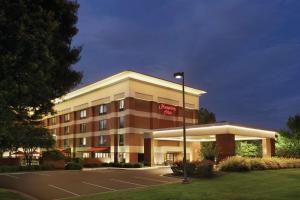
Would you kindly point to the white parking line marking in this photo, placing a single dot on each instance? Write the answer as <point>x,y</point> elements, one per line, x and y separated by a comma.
<point>67,191</point>
<point>151,179</point>
<point>11,176</point>
<point>117,180</point>
<point>41,174</point>
<point>99,186</point>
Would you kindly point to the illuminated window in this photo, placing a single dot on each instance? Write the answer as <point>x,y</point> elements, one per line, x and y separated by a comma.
<point>103,109</point>
<point>86,155</point>
<point>103,124</point>
<point>102,155</point>
<point>66,130</point>
<point>121,105</point>
<point>82,141</point>
<point>66,143</point>
<point>82,114</point>
<point>66,117</point>
<point>121,140</point>
<point>52,121</point>
<point>82,128</point>
<point>102,139</point>
<point>121,122</point>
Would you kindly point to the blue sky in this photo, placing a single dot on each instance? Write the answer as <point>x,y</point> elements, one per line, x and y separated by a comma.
<point>244,53</point>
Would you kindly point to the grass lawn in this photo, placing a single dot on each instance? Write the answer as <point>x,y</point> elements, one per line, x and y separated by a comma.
<point>7,195</point>
<point>262,185</point>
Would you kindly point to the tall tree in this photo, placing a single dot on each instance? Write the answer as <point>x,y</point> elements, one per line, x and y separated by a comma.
<point>206,117</point>
<point>36,58</point>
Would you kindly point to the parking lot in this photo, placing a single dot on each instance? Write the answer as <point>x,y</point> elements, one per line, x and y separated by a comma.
<point>64,184</point>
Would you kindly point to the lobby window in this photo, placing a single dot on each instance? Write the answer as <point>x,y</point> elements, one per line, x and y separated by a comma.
<point>103,109</point>
<point>121,104</point>
<point>82,128</point>
<point>103,124</point>
<point>66,142</point>
<point>86,155</point>
<point>121,122</point>
<point>121,140</point>
<point>66,117</point>
<point>102,139</point>
<point>102,155</point>
<point>82,114</point>
<point>82,141</point>
<point>66,130</point>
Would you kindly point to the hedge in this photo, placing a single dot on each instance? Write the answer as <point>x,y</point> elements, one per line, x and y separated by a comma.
<point>202,168</point>
<point>8,168</point>
<point>237,164</point>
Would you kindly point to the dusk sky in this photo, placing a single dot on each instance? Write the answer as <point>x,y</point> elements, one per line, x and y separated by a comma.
<point>244,53</point>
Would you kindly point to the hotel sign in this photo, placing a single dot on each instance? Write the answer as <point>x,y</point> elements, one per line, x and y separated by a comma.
<point>167,109</point>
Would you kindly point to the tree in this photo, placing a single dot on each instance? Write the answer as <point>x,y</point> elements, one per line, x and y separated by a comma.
<point>288,140</point>
<point>36,58</point>
<point>208,150</point>
<point>206,117</point>
<point>32,138</point>
<point>249,148</point>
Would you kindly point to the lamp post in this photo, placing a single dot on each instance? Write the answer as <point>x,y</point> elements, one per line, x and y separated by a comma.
<point>180,75</point>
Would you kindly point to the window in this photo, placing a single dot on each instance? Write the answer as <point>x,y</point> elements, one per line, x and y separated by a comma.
<point>52,121</point>
<point>53,133</point>
<point>121,122</point>
<point>66,142</point>
<point>86,155</point>
<point>102,155</point>
<point>102,140</point>
<point>103,124</point>
<point>66,117</point>
<point>66,130</point>
<point>121,139</point>
<point>82,128</point>
<point>82,141</point>
<point>121,105</point>
<point>82,114</point>
<point>102,109</point>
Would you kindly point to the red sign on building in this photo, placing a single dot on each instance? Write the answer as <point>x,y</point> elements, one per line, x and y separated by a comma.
<point>167,109</point>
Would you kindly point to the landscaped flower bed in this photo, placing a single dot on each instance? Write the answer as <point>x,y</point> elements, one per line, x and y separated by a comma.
<point>246,164</point>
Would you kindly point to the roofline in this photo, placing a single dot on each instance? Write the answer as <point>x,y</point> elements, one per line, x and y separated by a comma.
<point>128,74</point>
<point>211,125</point>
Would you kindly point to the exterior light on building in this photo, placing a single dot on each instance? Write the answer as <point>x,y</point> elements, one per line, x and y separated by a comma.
<point>180,75</point>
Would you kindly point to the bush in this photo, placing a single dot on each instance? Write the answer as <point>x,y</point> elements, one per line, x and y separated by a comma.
<point>123,165</point>
<point>53,155</point>
<point>9,168</point>
<point>91,162</point>
<point>235,164</point>
<point>202,168</point>
<point>73,166</point>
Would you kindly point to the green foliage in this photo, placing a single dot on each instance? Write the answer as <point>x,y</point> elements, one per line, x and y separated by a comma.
<point>248,148</point>
<point>73,166</point>
<point>10,168</point>
<point>123,165</point>
<point>287,147</point>
<point>208,151</point>
<point>206,117</point>
<point>202,168</point>
<point>237,164</point>
<point>53,155</point>
<point>36,56</point>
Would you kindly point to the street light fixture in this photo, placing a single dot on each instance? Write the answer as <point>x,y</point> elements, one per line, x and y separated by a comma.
<point>180,75</point>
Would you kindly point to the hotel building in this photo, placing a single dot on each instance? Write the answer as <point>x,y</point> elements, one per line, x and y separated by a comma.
<point>133,117</point>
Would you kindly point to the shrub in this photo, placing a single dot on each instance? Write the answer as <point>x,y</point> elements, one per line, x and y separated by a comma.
<point>202,168</point>
<point>246,164</point>
<point>73,166</point>
<point>9,168</point>
<point>249,148</point>
<point>123,165</point>
<point>236,164</point>
<point>53,155</point>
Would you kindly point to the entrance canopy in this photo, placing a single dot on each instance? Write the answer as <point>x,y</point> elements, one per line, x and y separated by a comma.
<point>208,132</point>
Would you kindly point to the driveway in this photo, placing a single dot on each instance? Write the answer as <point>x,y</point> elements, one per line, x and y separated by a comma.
<point>64,184</point>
